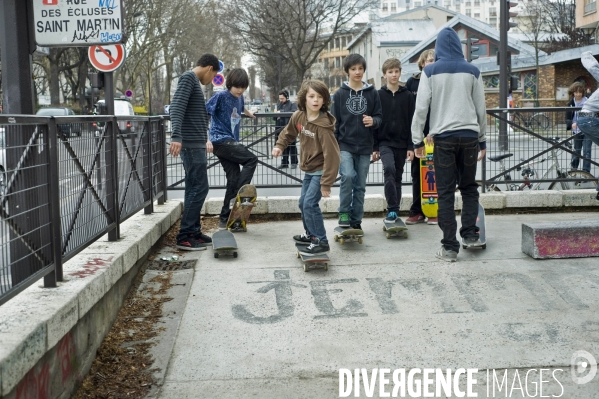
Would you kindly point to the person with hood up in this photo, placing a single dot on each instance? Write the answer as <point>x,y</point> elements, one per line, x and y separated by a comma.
<point>357,108</point>
<point>319,159</point>
<point>393,139</point>
<point>454,91</point>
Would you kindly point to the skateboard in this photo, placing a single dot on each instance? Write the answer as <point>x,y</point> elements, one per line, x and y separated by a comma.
<point>348,234</point>
<point>482,235</point>
<point>240,214</point>
<point>428,183</point>
<point>223,242</point>
<point>312,261</point>
<point>397,228</point>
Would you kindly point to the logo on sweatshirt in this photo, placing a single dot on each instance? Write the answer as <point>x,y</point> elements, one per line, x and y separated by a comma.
<point>304,131</point>
<point>356,104</point>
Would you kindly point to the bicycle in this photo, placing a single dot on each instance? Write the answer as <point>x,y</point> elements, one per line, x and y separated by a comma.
<point>533,121</point>
<point>578,179</point>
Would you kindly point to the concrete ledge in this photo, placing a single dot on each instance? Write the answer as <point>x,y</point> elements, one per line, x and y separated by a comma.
<point>580,198</point>
<point>568,239</point>
<point>533,199</point>
<point>41,327</point>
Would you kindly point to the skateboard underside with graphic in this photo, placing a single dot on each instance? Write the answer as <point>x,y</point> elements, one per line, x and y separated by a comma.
<point>428,183</point>
<point>244,203</point>
<point>482,234</point>
<point>317,261</point>
<point>345,234</point>
<point>395,229</point>
<point>223,243</point>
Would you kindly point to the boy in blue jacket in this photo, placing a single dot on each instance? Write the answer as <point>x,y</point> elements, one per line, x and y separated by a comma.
<point>357,109</point>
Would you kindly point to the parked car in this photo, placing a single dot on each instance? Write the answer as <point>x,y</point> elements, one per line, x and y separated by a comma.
<point>67,128</point>
<point>121,107</point>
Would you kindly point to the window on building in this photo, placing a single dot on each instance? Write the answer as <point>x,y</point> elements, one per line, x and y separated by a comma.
<point>393,7</point>
<point>590,6</point>
<point>337,45</point>
<point>343,43</point>
<point>491,82</point>
<point>468,3</point>
<point>476,3</point>
<point>447,4</point>
<point>493,22</point>
<point>385,7</point>
<point>468,12</point>
<point>492,12</point>
<point>417,3</point>
<point>477,15</point>
<point>530,85</point>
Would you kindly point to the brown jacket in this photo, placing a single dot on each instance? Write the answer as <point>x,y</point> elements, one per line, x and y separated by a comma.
<point>319,148</point>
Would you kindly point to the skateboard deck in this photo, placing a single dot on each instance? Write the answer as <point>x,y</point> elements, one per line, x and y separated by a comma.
<point>223,243</point>
<point>428,183</point>
<point>312,261</point>
<point>397,228</point>
<point>482,234</point>
<point>244,203</point>
<point>345,234</point>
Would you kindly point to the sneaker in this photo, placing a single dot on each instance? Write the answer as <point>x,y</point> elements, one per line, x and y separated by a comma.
<point>303,238</point>
<point>344,219</point>
<point>283,166</point>
<point>202,239</point>
<point>391,216</point>
<point>447,255</point>
<point>415,219</point>
<point>190,244</point>
<point>317,247</point>
<point>472,241</point>
<point>432,221</point>
<point>222,224</point>
<point>356,226</point>
<point>597,197</point>
<point>246,201</point>
<point>294,166</point>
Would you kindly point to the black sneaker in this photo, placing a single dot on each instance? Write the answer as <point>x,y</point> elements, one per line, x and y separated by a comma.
<point>222,224</point>
<point>294,166</point>
<point>356,226</point>
<point>283,166</point>
<point>202,239</point>
<point>317,247</point>
<point>597,197</point>
<point>190,244</point>
<point>303,238</point>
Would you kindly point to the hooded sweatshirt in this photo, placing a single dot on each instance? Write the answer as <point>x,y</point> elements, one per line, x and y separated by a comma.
<point>453,88</point>
<point>319,147</point>
<point>349,106</point>
<point>398,110</point>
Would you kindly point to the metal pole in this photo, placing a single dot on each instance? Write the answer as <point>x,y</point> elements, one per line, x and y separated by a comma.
<point>54,197</point>
<point>147,167</point>
<point>112,175</point>
<point>162,144</point>
<point>503,71</point>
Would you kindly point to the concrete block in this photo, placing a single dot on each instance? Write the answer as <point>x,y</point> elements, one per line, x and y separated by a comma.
<point>283,205</point>
<point>261,206</point>
<point>564,239</point>
<point>213,206</point>
<point>375,203</point>
<point>457,203</point>
<point>331,204</point>
<point>406,201</point>
<point>86,274</point>
<point>580,197</point>
<point>533,199</point>
<point>492,200</point>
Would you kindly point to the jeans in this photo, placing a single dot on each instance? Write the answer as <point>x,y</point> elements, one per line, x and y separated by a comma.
<point>582,144</point>
<point>353,171</point>
<point>393,160</point>
<point>308,204</point>
<point>196,190</point>
<point>590,128</point>
<point>231,155</point>
<point>416,208</point>
<point>456,157</point>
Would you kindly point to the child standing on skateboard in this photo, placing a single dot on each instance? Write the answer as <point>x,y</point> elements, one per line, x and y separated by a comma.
<point>357,107</point>
<point>393,139</point>
<point>226,108</point>
<point>319,159</point>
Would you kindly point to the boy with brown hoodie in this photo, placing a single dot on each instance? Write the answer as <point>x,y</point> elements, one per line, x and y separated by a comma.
<point>319,159</point>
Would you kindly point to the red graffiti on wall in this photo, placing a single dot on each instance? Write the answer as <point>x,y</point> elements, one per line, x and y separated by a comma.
<point>35,385</point>
<point>66,356</point>
<point>91,267</point>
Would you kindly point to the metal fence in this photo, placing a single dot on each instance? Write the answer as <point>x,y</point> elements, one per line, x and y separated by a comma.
<point>67,181</point>
<point>540,146</point>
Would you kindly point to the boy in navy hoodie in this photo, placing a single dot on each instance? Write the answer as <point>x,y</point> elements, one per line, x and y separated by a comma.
<point>393,139</point>
<point>357,109</point>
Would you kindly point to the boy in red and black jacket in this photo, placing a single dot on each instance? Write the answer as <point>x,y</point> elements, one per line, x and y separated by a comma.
<point>393,138</point>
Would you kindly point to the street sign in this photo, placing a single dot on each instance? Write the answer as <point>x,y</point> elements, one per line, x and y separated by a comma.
<point>221,66</point>
<point>129,93</point>
<point>106,58</point>
<point>218,80</point>
<point>77,22</point>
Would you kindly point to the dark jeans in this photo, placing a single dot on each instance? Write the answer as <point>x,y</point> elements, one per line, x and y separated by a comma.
<point>582,144</point>
<point>393,160</point>
<point>231,155</point>
<point>416,207</point>
<point>455,156</point>
<point>290,150</point>
<point>196,190</point>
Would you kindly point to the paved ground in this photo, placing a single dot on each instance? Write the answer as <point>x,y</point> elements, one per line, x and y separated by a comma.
<point>259,326</point>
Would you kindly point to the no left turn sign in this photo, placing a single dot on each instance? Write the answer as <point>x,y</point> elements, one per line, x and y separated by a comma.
<point>106,58</point>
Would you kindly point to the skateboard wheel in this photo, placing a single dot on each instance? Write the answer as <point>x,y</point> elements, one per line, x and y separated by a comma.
<point>298,255</point>
<point>306,267</point>
<point>342,241</point>
<point>360,240</point>
<point>245,229</point>
<point>384,228</point>
<point>336,238</point>
<point>326,266</point>
<point>216,254</point>
<point>235,254</point>
<point>388,235</point>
